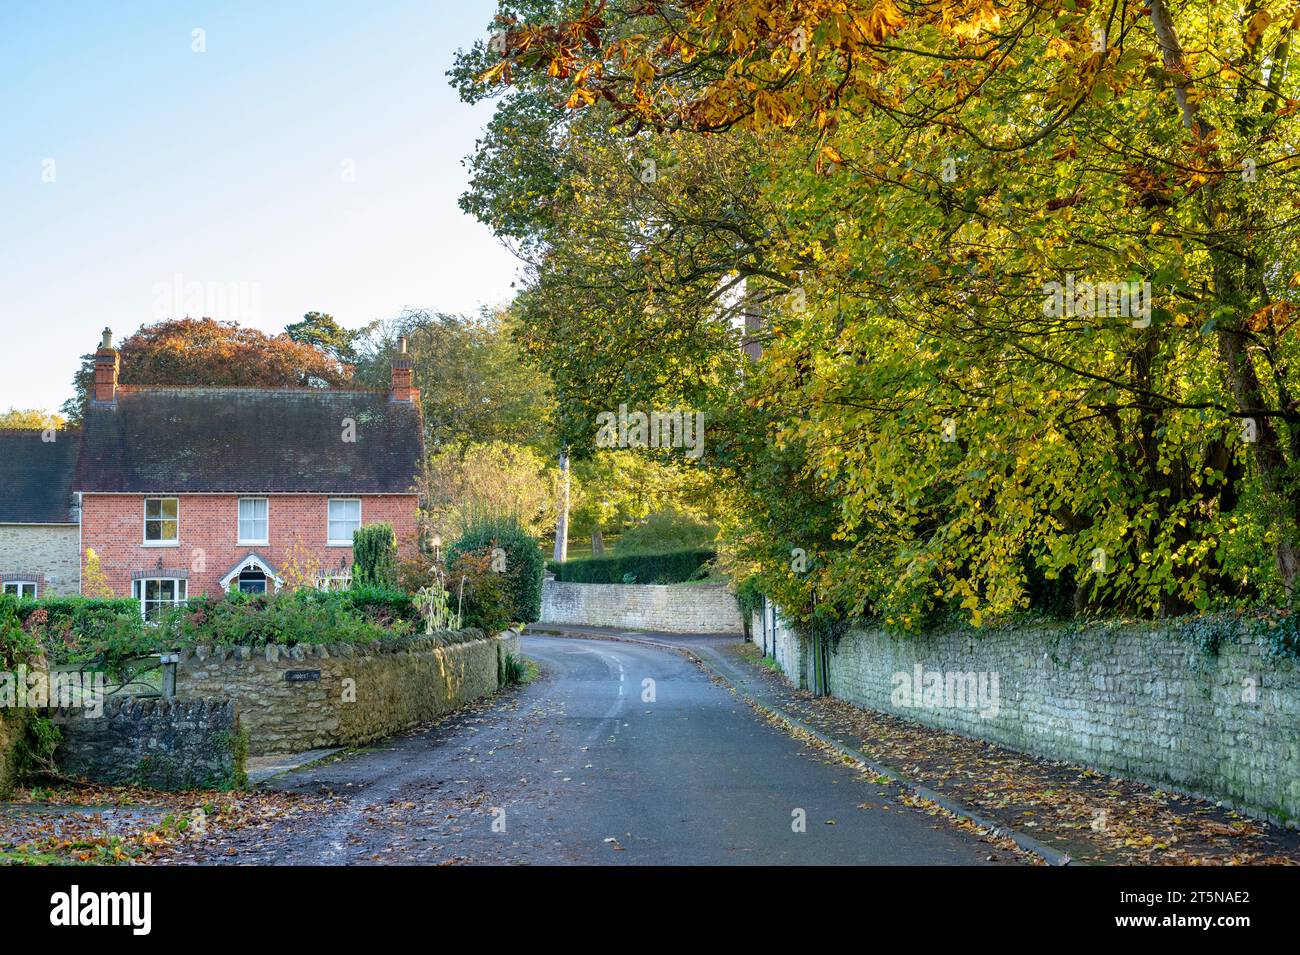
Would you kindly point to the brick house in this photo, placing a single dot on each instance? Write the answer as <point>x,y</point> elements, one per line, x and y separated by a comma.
<point>39,529</point>
<point>195,491</point>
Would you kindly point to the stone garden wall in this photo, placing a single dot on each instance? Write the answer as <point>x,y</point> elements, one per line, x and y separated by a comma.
<point>161,744</point>
<point>1139,700</point>
<point>309,696</point>
<point>670,608</point>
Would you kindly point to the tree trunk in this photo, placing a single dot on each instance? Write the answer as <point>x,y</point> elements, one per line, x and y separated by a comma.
<point>562,520</point>
<point>1233,287</point>
<point>597,543</point>
<point>1269,456</point>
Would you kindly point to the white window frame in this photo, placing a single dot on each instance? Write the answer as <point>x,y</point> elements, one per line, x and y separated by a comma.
<point>180,592</point>
<point>329,520</point>
<point>266,521</point>
<point>145,541</point>
<point>19,585</point>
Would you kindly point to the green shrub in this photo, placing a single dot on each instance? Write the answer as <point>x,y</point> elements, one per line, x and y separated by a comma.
<point>524,564</point>
<point>374,554</point>
<point>16,644</point>
<point>749,598</point>
<point>105,633</point>
<point>304,616</point>
<point>670,568</point>
<point>376,603</point>
<point>513,670</point>
<point>478,593</point>
<point>35,756</point>
<point>666,531</point>
<point>86,630</point>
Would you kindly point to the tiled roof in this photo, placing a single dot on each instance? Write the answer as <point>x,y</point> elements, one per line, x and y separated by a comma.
<point>36,477</point>
<point>249,440</point>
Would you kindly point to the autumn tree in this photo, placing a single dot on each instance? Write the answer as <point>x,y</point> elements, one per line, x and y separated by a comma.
<point>474,385</point>
<point>201,351</point>
<point>465,483</point>
<point>945,430</point>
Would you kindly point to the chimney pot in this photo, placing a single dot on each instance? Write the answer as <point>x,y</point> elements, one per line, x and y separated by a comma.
<point>401,344</point>
<point>108,338</point>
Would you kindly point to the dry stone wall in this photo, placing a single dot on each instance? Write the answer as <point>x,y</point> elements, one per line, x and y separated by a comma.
<point>161,744</point>
<point>308,696</point>
<point>1139,700</point>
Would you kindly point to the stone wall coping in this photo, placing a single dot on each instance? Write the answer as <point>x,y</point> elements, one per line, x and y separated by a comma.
<point>132,707</point>
<point>1064,634</point>
<point>276,652</point>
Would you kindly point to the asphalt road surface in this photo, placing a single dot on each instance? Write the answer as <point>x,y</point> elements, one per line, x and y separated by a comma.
<point>592,764</point>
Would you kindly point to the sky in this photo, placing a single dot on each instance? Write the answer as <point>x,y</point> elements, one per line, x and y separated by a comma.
<point>308,159</point>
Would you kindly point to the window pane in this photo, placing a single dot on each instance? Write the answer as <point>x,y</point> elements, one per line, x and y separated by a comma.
<point>160,507</point>
<point>344,518</point>
<point>252,519</point>
<point>345,510</point>
<point>160,519</point>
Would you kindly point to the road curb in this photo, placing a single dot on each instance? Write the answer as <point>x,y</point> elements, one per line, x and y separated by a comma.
<point>765,705</point>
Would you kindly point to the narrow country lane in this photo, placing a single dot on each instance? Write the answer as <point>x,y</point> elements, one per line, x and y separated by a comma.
<point>578,768</point>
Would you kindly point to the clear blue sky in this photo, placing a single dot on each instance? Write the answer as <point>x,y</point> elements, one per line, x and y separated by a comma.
<point>228,166</point>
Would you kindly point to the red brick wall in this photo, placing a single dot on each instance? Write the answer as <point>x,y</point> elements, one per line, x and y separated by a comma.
<point>113,526</point>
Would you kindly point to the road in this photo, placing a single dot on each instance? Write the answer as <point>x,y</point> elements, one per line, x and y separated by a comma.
<point>618,754</point>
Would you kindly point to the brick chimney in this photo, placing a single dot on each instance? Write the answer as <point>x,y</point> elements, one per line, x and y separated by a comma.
<point>403,376</point>
<point>107,366</point>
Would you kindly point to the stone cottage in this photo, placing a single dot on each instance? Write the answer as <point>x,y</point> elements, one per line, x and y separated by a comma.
<point>40,534</point>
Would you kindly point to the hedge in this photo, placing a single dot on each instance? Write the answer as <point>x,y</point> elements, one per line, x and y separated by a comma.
<point>363,617</point>
<point>670,568</point>
<point>524,563</point>
<point>83,629</point>
<point>106,632</point>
